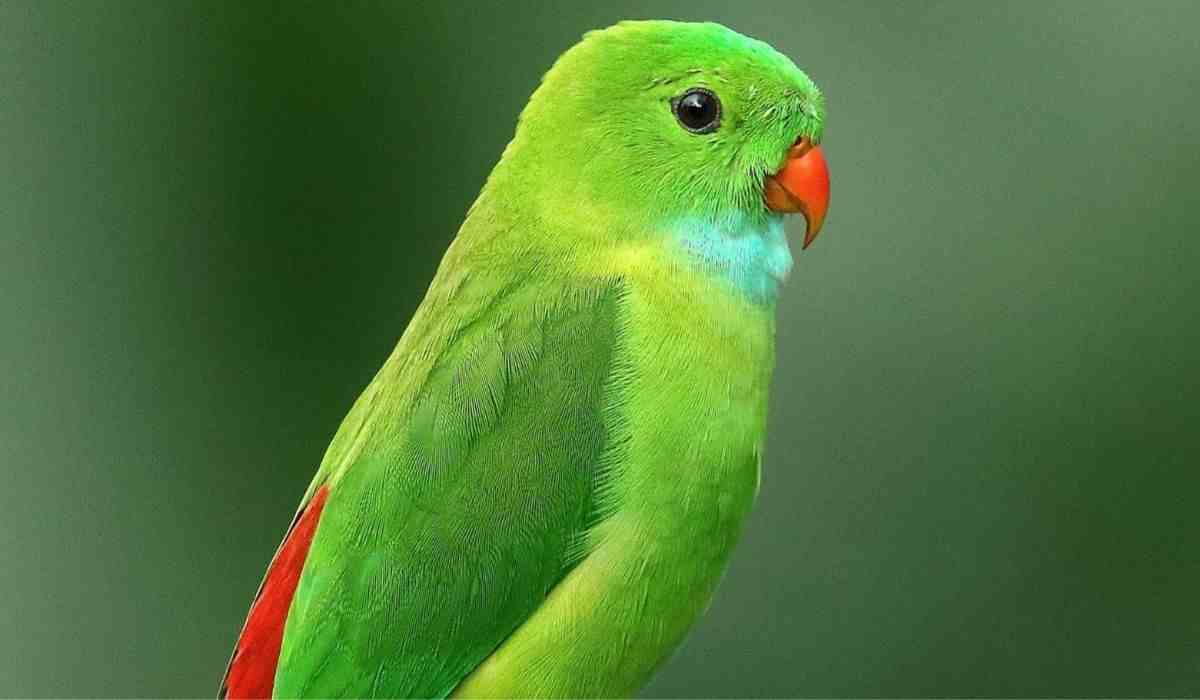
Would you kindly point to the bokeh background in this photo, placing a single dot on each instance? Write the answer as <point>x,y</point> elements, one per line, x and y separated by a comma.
<point>217,217</point>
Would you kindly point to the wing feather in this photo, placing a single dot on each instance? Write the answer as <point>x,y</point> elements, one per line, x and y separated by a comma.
<point>251,670</point>
<point>459,513</point>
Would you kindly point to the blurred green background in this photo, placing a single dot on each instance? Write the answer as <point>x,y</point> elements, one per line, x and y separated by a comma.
<point>217,217</point>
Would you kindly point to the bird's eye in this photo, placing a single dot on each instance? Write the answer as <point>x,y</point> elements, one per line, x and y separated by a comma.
<point>698,110</point>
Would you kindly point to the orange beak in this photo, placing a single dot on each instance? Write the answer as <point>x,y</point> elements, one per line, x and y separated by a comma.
<point>801,185</point>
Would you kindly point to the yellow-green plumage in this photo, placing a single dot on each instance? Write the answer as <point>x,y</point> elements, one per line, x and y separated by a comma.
<point>538,492</point>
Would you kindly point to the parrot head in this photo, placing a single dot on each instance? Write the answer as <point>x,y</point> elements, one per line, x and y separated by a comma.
<point>672,124</point>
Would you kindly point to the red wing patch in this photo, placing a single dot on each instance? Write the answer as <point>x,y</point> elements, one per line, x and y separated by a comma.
<point>251,672</point>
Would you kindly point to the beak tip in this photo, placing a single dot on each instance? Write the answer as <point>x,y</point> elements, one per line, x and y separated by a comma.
<point>809,236</point>
<point>814,221</point>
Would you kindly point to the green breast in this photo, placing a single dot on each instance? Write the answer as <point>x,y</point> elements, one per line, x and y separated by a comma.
<point>684,475</point>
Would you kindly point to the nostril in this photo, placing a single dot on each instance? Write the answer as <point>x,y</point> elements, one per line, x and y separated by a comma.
<point>802,145</point>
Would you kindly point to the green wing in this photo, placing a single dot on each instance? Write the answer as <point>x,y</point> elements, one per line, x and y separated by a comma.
<point>460,512</point>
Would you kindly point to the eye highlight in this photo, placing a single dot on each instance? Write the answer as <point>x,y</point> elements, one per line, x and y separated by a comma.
<point>698,110</point>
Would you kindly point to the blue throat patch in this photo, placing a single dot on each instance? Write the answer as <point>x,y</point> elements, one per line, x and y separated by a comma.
<point>753,256</point>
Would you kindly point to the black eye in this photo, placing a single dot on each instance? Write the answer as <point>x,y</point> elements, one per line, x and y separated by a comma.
<point>698,110</point>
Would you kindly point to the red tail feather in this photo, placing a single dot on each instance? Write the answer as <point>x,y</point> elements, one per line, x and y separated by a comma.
<point>251,673</point>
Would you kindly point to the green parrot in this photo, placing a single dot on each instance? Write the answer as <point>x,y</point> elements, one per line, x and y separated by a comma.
<point>538,492</point>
